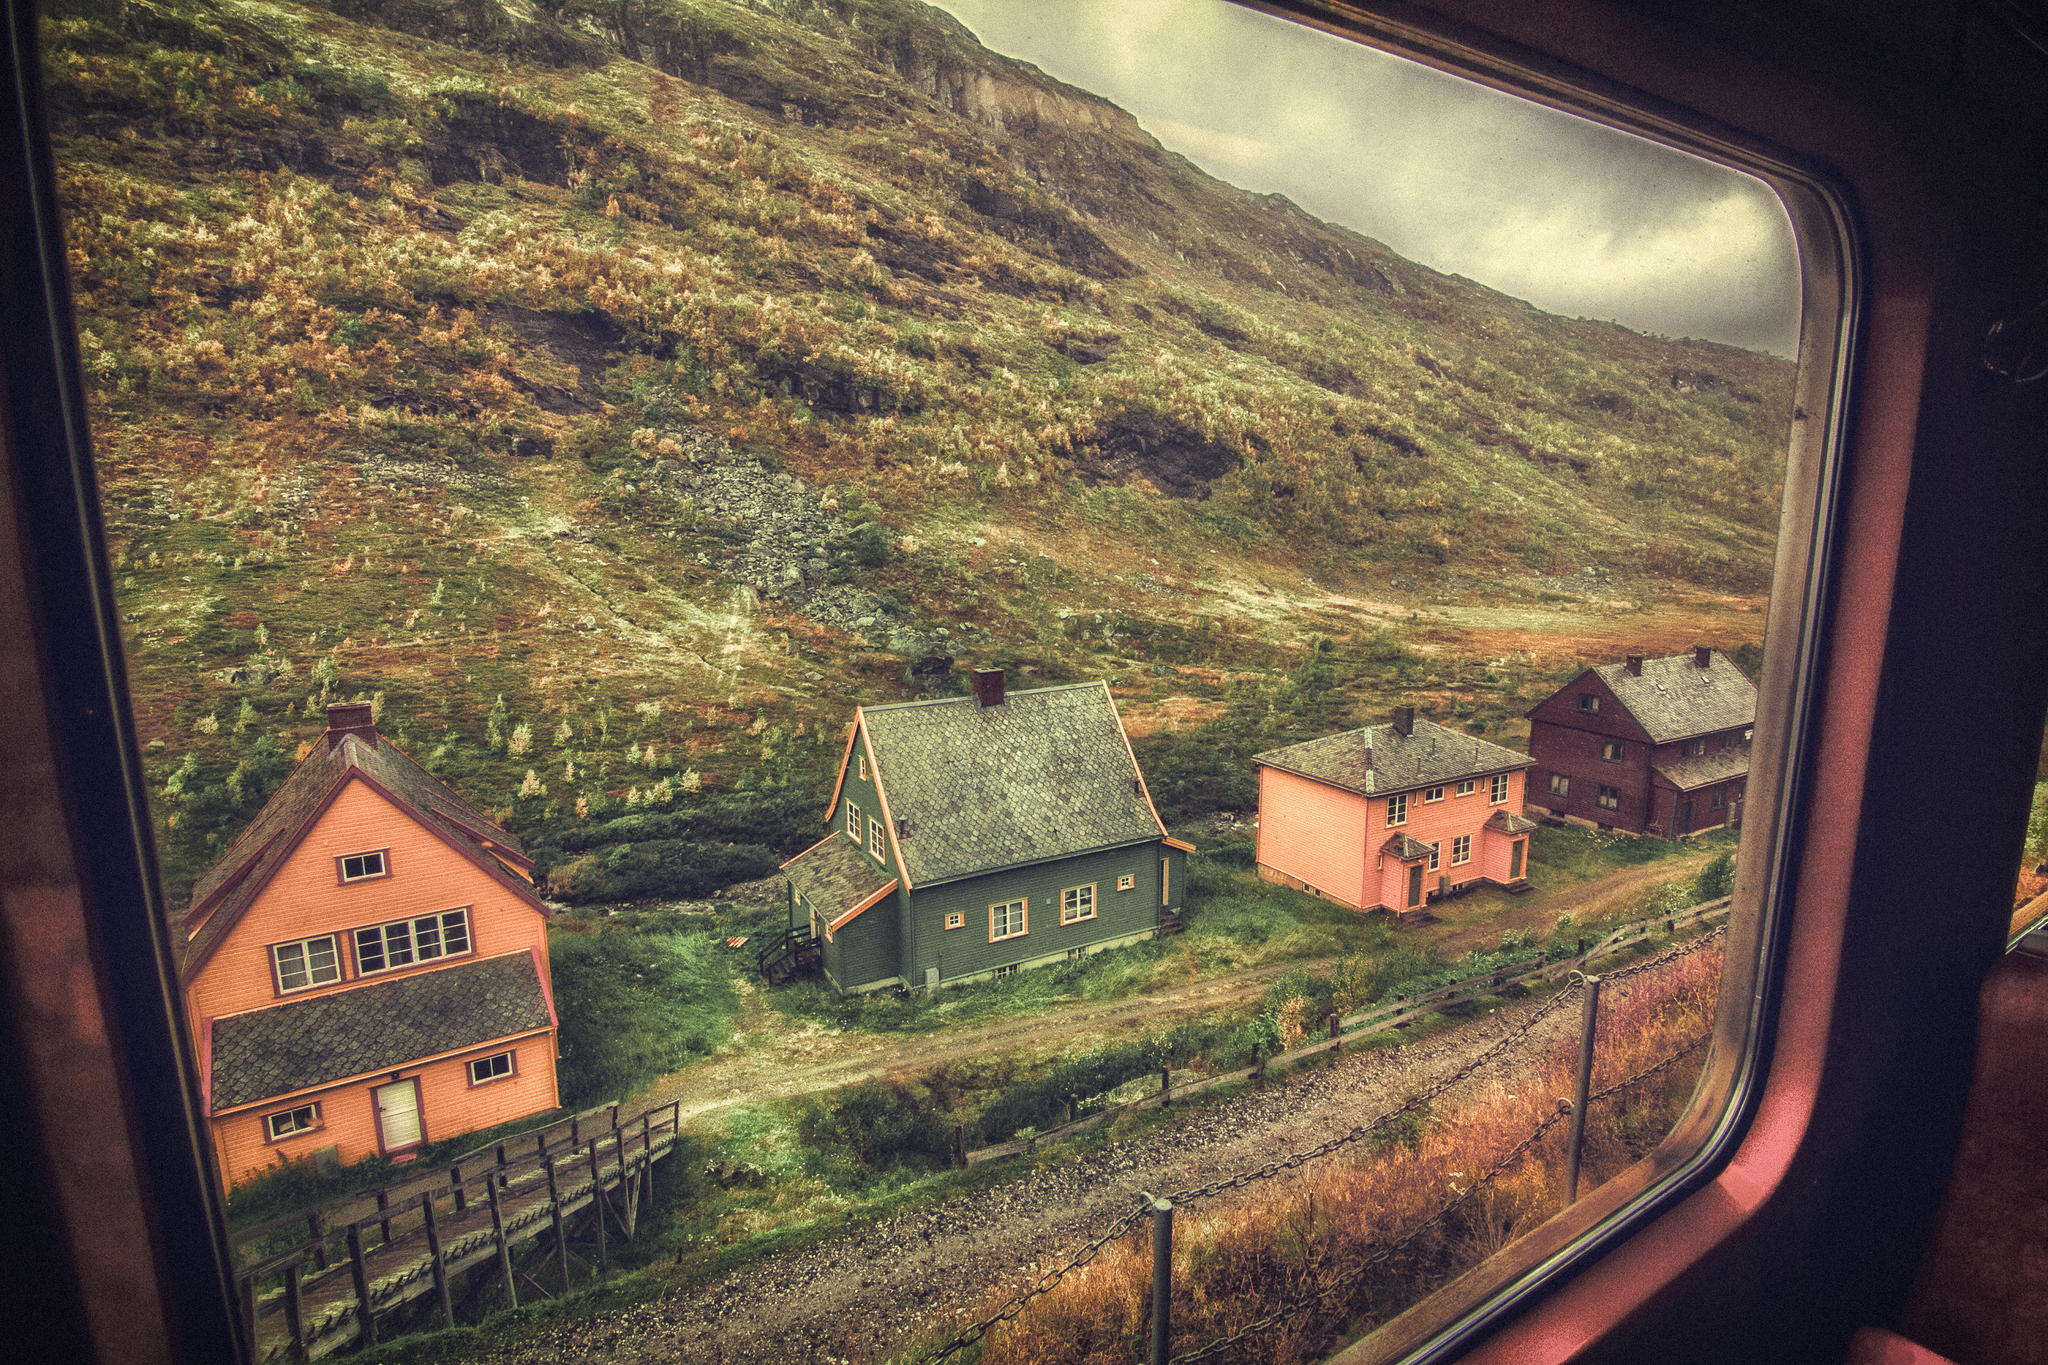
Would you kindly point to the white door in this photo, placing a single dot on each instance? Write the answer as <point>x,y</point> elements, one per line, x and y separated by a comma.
<point>398,1115</point>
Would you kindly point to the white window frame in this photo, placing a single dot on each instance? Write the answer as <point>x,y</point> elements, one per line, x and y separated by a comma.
<point>313,1122</point>
<point>862,760</point>
<point>1436,856</point>
<point>956,919</point>
<point>277,968</point>
<point>1397,809</point>
<point>1497,790</point>
<point>853,823</point>
<point>1432,794</point>
<point>439,922</point>
<point>1022,905</point>
<point>875,839</point>
<point>382,855</point>
<point>1073,898</point>
<point>1461,850</point>
<point>1468,786</point>
<point>510,1060</point>
<point>1126,881</point>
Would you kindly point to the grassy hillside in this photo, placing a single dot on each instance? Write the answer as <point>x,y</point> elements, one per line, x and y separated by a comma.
<point>618,392</point>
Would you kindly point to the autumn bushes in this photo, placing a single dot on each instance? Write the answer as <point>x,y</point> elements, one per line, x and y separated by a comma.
<point>1234,1264</point>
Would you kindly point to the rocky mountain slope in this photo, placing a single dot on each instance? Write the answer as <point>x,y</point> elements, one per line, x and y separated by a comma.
<point>618,391</point>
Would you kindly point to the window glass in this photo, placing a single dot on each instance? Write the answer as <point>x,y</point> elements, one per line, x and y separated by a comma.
<point>1161,431</point>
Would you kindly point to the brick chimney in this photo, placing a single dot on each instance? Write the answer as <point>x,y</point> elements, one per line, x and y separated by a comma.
<point>1404,720</point>
<point>988,687</point>
<point>350,718</point>
<point>1702,656</point>
<point>1635,665</point>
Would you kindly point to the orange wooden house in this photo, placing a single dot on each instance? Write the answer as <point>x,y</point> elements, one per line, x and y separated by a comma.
<point>366,968</point>
<point>1393,816</point>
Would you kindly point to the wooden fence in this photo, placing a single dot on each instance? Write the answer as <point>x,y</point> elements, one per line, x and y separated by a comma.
<point>1397,1013</point>
<point>352,1259</point>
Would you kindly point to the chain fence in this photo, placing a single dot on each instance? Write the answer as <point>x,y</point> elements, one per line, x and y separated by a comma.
<point>1046,1282</point>
<point>1211,1349</point>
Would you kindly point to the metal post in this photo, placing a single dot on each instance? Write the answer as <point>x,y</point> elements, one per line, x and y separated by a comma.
<point>436,1260</point>
<point>1162,1279</point>
<point>1589,1021</point>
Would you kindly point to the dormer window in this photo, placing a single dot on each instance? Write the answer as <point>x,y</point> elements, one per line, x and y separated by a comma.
<point>363,867</point>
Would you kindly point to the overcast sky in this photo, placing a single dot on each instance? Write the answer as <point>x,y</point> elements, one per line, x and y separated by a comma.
<point>1575,218</point>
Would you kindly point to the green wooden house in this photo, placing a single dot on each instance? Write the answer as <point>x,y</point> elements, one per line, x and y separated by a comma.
<point>975,836</point>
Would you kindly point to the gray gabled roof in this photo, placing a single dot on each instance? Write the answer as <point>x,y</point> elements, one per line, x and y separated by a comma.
<point>833,875</point>
<point>1047,774</point>
<point>1701,770</point>
<point>1675,698</point>
<point>374,1028</point>
<point>1378,759</point>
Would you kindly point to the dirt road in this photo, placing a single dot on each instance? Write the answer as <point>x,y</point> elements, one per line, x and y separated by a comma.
<point>871,1289</point>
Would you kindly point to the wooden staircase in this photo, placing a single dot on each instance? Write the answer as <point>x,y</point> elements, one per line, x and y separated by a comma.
<point>1170,923</point>
<point>795,954</point>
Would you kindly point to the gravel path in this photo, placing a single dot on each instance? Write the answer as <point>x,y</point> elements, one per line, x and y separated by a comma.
<point>864,1291</point>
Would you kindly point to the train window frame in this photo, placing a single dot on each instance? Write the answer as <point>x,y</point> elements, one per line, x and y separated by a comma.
<point>73,720</point>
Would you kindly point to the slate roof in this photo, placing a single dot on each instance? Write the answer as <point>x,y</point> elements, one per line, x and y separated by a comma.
<point>1432,755</point>
<point>232,884</point>
<point>834,876</point>
<point>1686,774</point>
<point>1676,698</point>
<point>1047,774</point>
<point>1507,822</point>
<point>373,1028</point>
<point>1404,847</point>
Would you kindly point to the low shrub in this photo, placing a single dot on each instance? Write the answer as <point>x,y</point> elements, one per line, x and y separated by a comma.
<point>635,1007</point>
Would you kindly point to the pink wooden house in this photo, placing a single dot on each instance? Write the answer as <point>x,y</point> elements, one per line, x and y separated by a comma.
<point>1394,816</point>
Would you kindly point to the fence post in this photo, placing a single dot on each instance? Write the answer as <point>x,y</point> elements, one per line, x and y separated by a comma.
<point>252,1309</point>
<point>555,1215</point>
<point>1589,1021</point>
<point>295,1310</point>
<point>959,1144</point>
<point>1067,1102</point>
<point>597,1207</point>
<point>358,1273</point>
<point>455,1179</point>
<point>384,1224</point>
<point>1161,1346</point>
<point>1336,1033</point>
<point>498,1236</point>
<point>1165,1086</point>
<point>436,1260</point>
<point>1258,1063</point>
<point>317,1227</point>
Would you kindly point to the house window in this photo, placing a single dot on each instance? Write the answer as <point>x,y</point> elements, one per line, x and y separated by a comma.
<point>1468,786</point>
<point>1127,881</point>
<point>863,761</point>
<point>1461,850</point>
<point>853,822</point>
<point>1498,791</point>
<point>1166,881</point>
<point>1008,969</point>
<point>1610,798</point>
<point>309,962</point>
<point>361,867</point>
<point>1614,751</point>
<point>956,919</point>
<point>1693,748</point>
<point>1075,954</point>
<point>1077,903</point>
<point>875,839</point>
<point>1009,919</point>
<point>1720,798</point>
<point>1433,794</point>
<point>291,1122</point>
<point>492,1068</point>
<point>1435,855</point>
<point>401,943</point>
<point>1560,785</point>
<point>1589,701</point>
<point>1397,809</point>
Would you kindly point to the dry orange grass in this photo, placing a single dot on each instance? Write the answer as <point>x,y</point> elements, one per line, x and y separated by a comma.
<point>1234,1265</point>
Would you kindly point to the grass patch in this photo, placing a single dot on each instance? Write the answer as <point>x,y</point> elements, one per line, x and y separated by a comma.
<point>636,1006</point>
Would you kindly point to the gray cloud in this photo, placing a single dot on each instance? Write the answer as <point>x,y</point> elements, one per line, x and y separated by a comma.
<point>1572,216</point>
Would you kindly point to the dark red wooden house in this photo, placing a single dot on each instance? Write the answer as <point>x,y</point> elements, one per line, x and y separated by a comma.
<point>1651,746</point>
